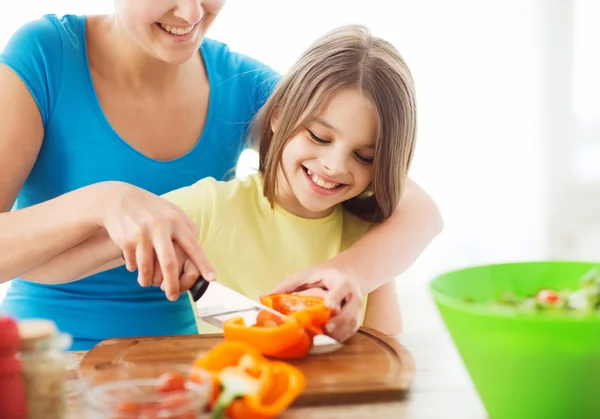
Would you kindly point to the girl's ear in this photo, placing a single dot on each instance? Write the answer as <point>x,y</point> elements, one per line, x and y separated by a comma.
<point>274,120</point>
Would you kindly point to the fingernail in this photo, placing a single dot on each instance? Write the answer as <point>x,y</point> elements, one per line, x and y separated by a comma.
<point>332,305</point>
<point>211,276</point>
<point>172,297</point>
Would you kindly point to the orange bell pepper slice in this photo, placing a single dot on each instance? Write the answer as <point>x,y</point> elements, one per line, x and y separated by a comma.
<point>266,340</point>
<point>251,386</point>
<point>287,383</point>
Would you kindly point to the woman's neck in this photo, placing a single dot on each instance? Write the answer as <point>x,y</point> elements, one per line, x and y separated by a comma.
<point>127,63</point>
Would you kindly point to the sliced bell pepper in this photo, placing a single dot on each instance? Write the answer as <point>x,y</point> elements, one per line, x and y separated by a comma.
<point>267,340</point>
<point>251,386</point>
<point>287,383</point>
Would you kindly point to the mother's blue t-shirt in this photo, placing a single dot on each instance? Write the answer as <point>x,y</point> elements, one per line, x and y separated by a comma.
<point>80,147</point>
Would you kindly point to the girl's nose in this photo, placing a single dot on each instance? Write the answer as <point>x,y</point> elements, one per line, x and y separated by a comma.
<point>335,164</point>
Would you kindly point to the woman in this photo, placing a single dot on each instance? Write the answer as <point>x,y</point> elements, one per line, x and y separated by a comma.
<point>141,97</point>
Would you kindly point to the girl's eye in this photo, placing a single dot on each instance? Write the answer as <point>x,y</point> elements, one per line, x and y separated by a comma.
<point>363,159</point>
<point>316,139</point>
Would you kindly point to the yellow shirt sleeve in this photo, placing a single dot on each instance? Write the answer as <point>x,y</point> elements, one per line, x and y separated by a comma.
<point>198,202</point>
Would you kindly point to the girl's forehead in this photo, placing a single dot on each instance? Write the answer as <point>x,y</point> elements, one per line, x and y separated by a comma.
<point>348,113</point>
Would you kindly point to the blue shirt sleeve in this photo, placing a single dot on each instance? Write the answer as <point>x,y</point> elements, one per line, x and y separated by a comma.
<point>34,53</point>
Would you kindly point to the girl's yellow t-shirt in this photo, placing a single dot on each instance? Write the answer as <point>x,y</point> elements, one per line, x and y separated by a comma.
<point>252,246</point>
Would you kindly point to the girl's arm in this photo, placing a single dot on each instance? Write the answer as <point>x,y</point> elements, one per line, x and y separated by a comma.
<point>95,254</point>
<point>383,310</point>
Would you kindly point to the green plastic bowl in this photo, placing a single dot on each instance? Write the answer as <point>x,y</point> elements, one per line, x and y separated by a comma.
<point>523,365</point>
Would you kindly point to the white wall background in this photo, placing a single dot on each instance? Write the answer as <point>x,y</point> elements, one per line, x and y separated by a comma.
<point>508,112</point>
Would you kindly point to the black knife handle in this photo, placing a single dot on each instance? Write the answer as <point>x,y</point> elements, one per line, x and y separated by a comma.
<point>199,288</point>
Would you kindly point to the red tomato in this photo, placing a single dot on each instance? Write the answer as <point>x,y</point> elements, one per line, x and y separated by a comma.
<point>548,296</point>
<point>171,382</point>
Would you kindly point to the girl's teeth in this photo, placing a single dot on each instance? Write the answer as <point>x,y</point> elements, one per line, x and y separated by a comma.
<point>320,182</point>
<point>177,31</point>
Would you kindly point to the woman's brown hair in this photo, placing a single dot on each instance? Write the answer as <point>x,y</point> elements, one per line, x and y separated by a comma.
<point>348,56</point>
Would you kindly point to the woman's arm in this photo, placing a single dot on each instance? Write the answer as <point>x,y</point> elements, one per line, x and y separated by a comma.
<point>383,310</point>
<point>392,247</point>
<point>33,235</point>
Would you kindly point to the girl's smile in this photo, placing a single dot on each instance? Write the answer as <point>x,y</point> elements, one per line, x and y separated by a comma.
<point>322,184</point>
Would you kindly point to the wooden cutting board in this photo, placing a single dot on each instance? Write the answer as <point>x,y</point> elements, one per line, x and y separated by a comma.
<point>370,367</point>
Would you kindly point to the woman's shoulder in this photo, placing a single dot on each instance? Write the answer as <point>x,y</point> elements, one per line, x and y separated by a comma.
<point>222,57</point>
<point>36,53</point>
<point>48,33</point>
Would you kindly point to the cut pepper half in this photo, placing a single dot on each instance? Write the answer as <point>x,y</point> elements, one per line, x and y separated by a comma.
<point>288,337</point>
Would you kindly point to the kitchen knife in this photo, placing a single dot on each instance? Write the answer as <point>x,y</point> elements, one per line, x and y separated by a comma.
<point>238,305</point>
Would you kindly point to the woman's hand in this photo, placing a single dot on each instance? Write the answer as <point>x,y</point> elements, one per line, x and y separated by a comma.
<point>340,289</point>
<point>188,272</point>
<point>148,229</point>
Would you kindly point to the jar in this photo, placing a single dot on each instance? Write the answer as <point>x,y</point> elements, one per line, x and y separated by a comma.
<point>142,391</point>
<point>12,391</point>
<point>43,369</point>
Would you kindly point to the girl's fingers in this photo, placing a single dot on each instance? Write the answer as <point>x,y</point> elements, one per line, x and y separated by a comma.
<point>338,293</point>
<point>345,323</point>
<point>157,277</point>
<point>189,276</point>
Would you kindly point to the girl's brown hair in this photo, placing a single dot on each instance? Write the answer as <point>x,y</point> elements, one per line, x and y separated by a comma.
<point>346,57</point>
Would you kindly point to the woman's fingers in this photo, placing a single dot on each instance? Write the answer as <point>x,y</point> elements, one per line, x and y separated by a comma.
<point>193,227</point>
<point>145,261</point>
<point>165,252</point>
<point>194,251</point>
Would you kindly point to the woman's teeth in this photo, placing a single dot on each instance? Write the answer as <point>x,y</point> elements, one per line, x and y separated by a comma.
<point>320,182</point>
<point>176,31</point>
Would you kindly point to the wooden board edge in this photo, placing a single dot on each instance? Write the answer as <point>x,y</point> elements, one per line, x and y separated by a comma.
<point>407,361</point>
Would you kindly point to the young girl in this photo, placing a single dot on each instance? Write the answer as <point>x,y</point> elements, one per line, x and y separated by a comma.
<point>335,142</point>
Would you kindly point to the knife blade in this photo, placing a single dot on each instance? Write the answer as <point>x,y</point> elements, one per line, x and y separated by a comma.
<point>238,305</point>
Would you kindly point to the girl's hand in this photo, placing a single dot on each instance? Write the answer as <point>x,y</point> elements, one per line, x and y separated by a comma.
<point>341,293</point>
<point>145,226</point>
